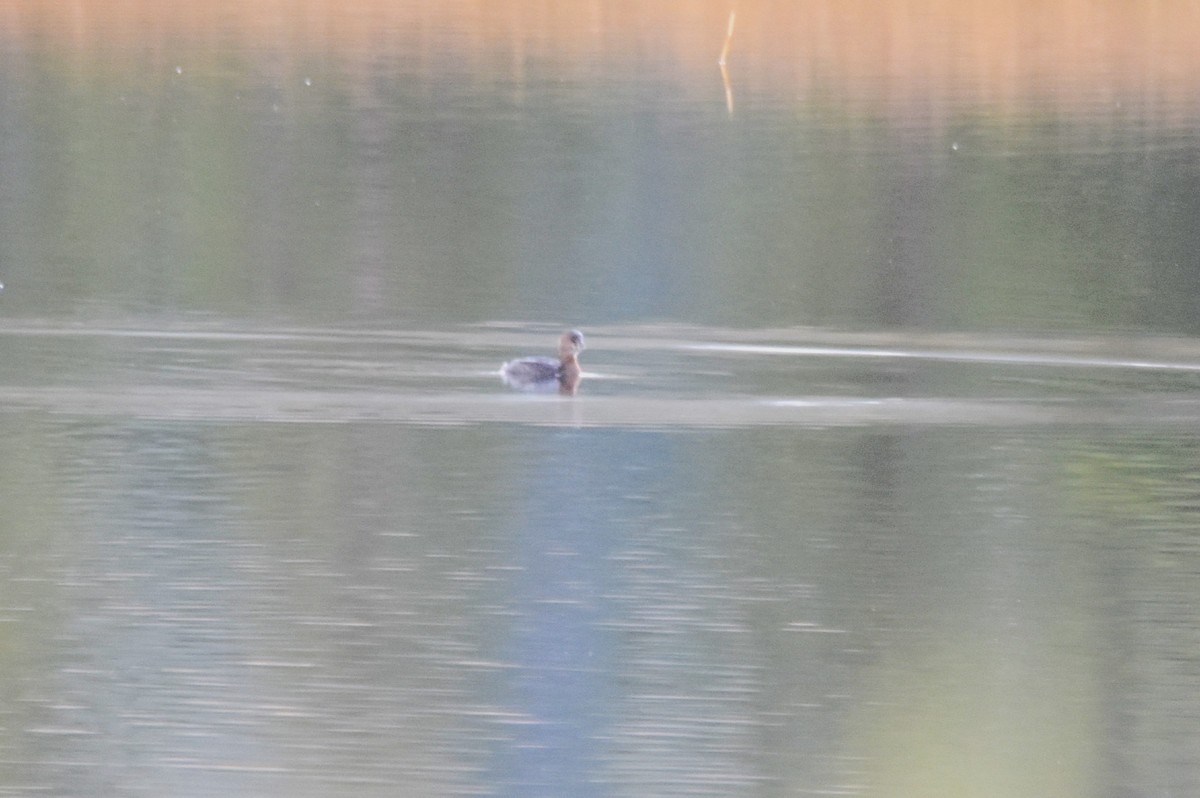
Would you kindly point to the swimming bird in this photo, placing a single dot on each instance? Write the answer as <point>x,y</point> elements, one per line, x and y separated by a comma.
<point>543,373</point>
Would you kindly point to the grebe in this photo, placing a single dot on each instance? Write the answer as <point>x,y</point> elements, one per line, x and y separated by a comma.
<point>543,373</point>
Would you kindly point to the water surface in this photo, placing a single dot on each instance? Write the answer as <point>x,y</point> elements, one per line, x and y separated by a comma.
<point>881,479</point>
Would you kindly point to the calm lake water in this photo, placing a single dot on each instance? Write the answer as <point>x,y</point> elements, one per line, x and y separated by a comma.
<point>882,478</point>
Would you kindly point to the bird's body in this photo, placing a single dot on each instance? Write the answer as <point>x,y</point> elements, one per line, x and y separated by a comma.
<point>543,373</point>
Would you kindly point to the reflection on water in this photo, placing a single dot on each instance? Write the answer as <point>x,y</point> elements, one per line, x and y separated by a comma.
<point>880,480</point>
<point>443,164</point>
<point>435,583</point>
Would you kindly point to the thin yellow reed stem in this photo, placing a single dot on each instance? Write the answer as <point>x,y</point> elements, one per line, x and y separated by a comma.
<point>721,62</point>
<point>728,38</point>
